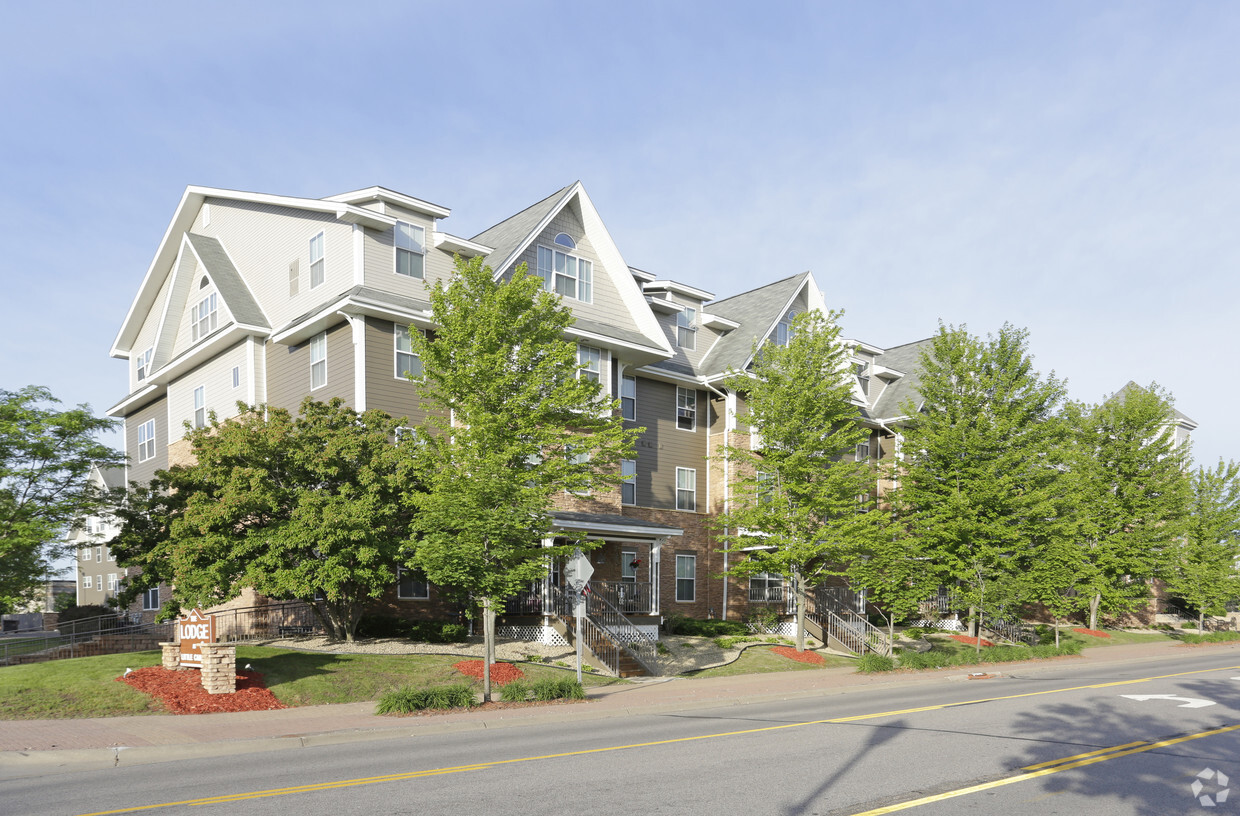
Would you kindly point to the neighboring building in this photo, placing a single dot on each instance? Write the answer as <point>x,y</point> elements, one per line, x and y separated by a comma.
<point>97,575</point>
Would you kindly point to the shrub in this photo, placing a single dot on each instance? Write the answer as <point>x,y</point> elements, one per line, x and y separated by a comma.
<point>1213,637</point>
<point>915,632</point>
<point>870,663</point>
<point>680,625</point>
<point>518,691</point>
<point>409,699</point>
<point>935,659</point>
<point>85,611</point>
<point>390,626</point>
<point>763,619</point>
<point>1188,625</point>
<point>558,688</point>
<point>730,642</point>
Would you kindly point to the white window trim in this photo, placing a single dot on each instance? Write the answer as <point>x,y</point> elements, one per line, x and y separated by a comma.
<point>144,364</point>
<point>236,376</point>
<point>628,480</point>
<point>692,489</point>
<point>627,571</point>
<point>397,249</point>
<point>691,559</point>
<point>692,391</point>
<point>399,332</point>
<point>321,237</point>
<point>150,599</point>
<point>686,321</point>
<point>196,318</point>
<point>88,582</point>
<point>591,354</point>
<point>625,379</point>
<point>321,337</point>
<point>146,437</point>
<point>548,279</point>
<point>200,410</point>
<point>400,571</point>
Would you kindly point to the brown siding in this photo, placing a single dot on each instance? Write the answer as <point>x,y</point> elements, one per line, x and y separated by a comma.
<point>664,447</point>
<point>158,411</point>
<point>384,391</point>
<point>288,370</point>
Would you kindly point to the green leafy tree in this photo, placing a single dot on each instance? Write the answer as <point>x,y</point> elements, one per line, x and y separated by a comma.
<point>45,457</point>
<point>798,505</point>
<point>893,571</point>
<point>978,481</point>
<point>1133,496</point>
<point>1204,572</point>
<point>291,506</point>
<point>517,424</point>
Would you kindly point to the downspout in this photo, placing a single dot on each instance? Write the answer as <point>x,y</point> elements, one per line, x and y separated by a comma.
<point>727,486</point>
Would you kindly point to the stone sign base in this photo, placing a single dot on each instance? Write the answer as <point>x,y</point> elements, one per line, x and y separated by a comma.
<point>219,668</point>
<point>171,656</point>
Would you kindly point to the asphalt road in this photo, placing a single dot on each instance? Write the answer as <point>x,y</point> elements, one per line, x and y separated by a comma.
<point>1071,741</point>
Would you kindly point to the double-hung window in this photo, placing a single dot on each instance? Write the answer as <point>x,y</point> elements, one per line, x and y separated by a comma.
<point>863,451</point>
<point>144,364</point>
<point>766,486</point>
<point>686,576</point>
<point>411,584</point>
<point>318,268</point>
<point>146,440</point>
<point>564,273</point>
<point>203,318</point>
<point>686,408</point>
<point>628,565</point>
<point>318,360</point>
<point>628,481</point>
<point>111,582</point>
<point>410,250</point>
<point>783,330</point>
<point>200,406</point>
<point>408,364</point>
<point>628,397</point>
<point>863,376</point>
<point>686,328</point>
<point>150,598</point>
<point>88,582</point>
<point>686,488</point>
<point>99,555</point>
<point>590,363</point>
<point>766,586</point>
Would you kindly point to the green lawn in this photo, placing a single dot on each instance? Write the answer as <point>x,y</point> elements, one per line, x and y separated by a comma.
<point>760,659</point>
<point>87,687</point>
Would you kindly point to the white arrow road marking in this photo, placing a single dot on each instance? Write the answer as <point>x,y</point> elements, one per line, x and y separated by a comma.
<point>1189,702</point>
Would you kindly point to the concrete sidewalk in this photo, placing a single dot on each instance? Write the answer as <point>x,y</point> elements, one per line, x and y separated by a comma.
<point>100,742</point>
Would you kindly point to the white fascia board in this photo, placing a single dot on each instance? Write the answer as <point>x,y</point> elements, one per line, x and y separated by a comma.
<point>664,305</point>
<point>626,285</point>
<point>778,317</point>
<point>612,342</point>
<point>136,398</point>
<point>499,268</point>
<point>205,350</point>
<point>641,274</point>
<point>386,311</point>
<point>858,344</point>
<point>672,377</point>
<point>716,322</point>
<point>886,373</point>
<point>461,246</point>
<point>631,530</point>
<point>185,242</point>
<point>391,196</point>
<point>679,288</point>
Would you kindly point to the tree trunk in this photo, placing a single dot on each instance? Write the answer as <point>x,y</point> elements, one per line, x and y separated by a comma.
<point>488,651</point>
<point>800,591</point>
<point>973,628</point>
<point>1055,621</point>
<point>1094,603</point>
<point>1201,622</point>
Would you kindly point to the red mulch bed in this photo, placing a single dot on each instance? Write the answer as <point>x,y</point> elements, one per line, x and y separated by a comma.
<point>501,673</point>
<point>1080,630</point>
<point>812,658</point>
<point>972,641</point>
<point>181,692</point>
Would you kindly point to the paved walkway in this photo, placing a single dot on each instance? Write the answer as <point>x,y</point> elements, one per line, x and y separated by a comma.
<point>89,742</point>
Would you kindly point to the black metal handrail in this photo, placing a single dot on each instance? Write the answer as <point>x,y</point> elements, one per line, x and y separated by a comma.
<point>62,646</point>
<point>265,622</point>
<point>630,597</point>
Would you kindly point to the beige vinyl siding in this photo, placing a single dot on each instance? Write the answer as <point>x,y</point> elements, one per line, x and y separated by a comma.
<point>146,336</point>
<point>606,305</point>
<point>398,397</point>
<point>798,306</point>
<point>215,376</point>
<point>705,337</point>
<point>380,259</point>
<point>142,472</point>
<point>664,447</point>
<point>262,239</point>
<point>288,370</point>
<point>193,297</point>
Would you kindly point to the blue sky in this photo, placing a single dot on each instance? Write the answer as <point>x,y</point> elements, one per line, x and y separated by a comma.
<point>1069,168</point>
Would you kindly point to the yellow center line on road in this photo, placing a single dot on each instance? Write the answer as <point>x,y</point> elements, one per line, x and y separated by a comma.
<point>1062,760</point>
<point>346,783</point>
<point>998,783</point>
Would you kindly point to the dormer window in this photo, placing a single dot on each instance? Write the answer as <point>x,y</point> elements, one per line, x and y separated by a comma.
<point>686,328</point>
<point>318,267</point>
<point>566,274</point>
<point>410,250</point>
<point>590,363</point>
<point>863,376</point>
<point>203,318</point>
<point>204,283</point>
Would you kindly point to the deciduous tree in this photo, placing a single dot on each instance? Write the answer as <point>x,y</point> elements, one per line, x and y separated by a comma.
<point>798,506</point>
<point>517,423</point>
<point>1204,571</point>
<point>45,457</point>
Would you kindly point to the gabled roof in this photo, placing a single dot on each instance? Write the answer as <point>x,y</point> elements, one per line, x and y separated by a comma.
<point>228,281</point>
<point>1181,419</point>
<point>510,236</point>
<point>756,312</point>
<point>907,360</point>
<point>170,245</point>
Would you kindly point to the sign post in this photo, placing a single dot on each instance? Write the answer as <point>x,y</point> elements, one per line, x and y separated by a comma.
<point>193,630</point>
<point>577,574</point>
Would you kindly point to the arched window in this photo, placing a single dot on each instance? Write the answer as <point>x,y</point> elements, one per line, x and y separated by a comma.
<point>204,283</point>
<point>564,240</point>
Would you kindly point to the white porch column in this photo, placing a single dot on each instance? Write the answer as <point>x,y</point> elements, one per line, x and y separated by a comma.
<point>546,581</point>
<point>655,551</point>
